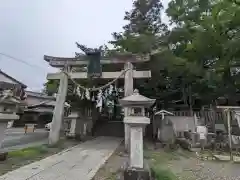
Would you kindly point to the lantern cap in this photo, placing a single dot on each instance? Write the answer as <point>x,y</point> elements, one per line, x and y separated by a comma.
<point>136,99</point>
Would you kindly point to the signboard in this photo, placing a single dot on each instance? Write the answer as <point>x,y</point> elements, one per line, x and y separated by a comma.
<point>94,65</point>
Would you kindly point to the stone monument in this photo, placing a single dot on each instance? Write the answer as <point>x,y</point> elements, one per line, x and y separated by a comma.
<point>136,121</point>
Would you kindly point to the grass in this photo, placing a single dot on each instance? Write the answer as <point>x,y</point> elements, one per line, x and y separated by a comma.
<point>28,152</point>
<point>159,162</point>
<point>161,157</point>
<point>160,173</point>
<point>26,156</point>
<point>112,176</point>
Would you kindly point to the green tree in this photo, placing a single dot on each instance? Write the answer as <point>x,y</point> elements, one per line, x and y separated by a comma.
<point>206,35</point>
<point>144,30</point>
<point>145,33</point>
<point>51,87</point>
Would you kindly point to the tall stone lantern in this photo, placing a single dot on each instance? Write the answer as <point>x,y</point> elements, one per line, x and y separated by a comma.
<point>137,121</point>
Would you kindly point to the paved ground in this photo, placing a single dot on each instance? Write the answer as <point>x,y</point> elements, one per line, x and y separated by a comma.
<point>15,137</point>
<point>79,162</point>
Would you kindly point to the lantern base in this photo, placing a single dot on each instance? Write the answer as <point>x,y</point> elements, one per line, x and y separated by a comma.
<point>136,174</point>
<point>3,156</point>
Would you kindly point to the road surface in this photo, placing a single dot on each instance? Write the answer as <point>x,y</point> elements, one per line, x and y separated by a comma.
<point>15,137</point>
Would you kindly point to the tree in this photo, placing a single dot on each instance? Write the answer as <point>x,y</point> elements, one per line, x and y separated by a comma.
<point>194,58</point>
<point>143,32</point>
<point>51,87</point>
<point>206,34</point>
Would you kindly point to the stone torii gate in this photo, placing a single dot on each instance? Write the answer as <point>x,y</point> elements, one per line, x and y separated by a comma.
<point>67,64</point>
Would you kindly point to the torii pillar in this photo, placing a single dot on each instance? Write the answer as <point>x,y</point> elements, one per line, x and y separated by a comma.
<point>128,90</point>
<point>58,112</point>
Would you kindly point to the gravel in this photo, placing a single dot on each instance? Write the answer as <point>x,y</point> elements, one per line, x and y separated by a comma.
<point>194,169</point>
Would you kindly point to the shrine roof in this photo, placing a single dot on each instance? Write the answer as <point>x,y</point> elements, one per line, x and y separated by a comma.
<point>82,60</point>
<point>47,103</point>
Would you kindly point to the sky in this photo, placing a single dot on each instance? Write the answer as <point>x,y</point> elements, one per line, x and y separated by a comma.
<point>31,29</point>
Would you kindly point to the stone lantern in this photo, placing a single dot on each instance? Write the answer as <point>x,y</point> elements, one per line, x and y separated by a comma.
<point>8,109</point>
<point>137,121</point>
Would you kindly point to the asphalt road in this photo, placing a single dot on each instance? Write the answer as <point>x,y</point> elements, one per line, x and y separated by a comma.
<point>15,137</point>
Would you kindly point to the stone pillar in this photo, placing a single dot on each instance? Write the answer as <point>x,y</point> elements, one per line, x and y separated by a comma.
<point>136,148</point>
<point>136,126</point>
<point>73,118</point>
<point>3,127</point>
<point>4,119</point>
<point>128,90</point>
<point>83,128</point>
<point>136,169</point>
<point>58,112</point>
<point>73,127</point>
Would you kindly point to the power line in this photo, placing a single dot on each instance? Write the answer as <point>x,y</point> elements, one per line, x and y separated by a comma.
<point>22,61</point>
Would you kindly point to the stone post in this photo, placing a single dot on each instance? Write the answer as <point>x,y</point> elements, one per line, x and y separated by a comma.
<point>58,112</point>
<point>3,127</point>
<point>136,126</point>
<point>136,167</point>
<point>128,90</point>
<point>73,121</point>
<point>73,127</point>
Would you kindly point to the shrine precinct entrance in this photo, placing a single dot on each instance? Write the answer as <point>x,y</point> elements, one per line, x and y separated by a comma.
<point>122,64</point>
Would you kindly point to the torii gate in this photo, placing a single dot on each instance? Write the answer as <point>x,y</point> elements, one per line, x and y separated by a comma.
<point>68,63</point>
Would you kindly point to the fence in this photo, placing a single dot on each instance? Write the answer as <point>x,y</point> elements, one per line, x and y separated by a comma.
<point>210,117</point>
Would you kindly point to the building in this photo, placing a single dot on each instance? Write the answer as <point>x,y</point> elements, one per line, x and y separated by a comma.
<point>39,109</point>
<point>27,106</point>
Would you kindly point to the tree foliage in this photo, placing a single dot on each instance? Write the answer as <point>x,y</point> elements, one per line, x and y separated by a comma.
<point>142,33</point>
<point>206,34</point>
<point>195,58</point>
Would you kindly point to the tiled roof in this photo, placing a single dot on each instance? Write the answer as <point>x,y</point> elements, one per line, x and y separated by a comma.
<point>40,95</point>
<point>13,79</point>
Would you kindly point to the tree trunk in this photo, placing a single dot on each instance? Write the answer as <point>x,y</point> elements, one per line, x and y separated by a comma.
<point>190,99</point>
